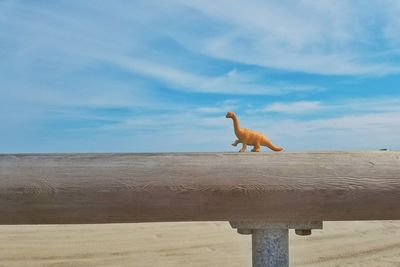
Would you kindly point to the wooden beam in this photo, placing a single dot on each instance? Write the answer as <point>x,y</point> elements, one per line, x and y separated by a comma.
<point>107,188</point>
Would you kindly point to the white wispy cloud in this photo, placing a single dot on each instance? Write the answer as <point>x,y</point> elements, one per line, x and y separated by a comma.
<point>71,41</point>
<point>220,107</point>
<point>232,82</point>
<point>329,37</point>
<point>293,107</point>
<point>355,105</point>
<point>369,131</point>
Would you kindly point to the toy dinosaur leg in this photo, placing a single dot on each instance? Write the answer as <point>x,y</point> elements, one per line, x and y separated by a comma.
<point>243,148</point>
<point>256,148</point>
<point>236,142</point>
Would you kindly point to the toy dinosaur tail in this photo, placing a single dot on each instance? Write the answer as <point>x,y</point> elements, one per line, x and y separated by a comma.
<point>268,143</point>
<point>275,148</point>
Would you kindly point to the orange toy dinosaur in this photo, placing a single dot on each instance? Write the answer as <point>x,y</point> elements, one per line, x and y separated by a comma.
<point>250,137</point>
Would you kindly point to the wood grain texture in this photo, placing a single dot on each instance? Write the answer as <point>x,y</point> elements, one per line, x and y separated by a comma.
<point>107,188</point>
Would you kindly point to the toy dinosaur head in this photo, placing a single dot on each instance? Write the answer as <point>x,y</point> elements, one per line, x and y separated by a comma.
<point>230,114</point>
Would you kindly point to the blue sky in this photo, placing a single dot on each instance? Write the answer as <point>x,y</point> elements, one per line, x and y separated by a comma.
<point>147,76</point>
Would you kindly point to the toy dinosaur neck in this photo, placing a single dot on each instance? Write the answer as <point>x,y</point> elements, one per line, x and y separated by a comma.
<point>236,126</point>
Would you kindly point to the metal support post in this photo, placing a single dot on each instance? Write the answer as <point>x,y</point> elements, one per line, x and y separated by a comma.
<point>270,241</point>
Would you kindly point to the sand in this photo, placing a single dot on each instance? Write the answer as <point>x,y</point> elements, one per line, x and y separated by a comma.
<point>375,243</point>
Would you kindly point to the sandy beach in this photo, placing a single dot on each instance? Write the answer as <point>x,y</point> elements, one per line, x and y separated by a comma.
<point>372,243</point>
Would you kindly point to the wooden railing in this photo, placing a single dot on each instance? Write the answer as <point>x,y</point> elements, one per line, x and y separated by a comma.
<point>105,188</point>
